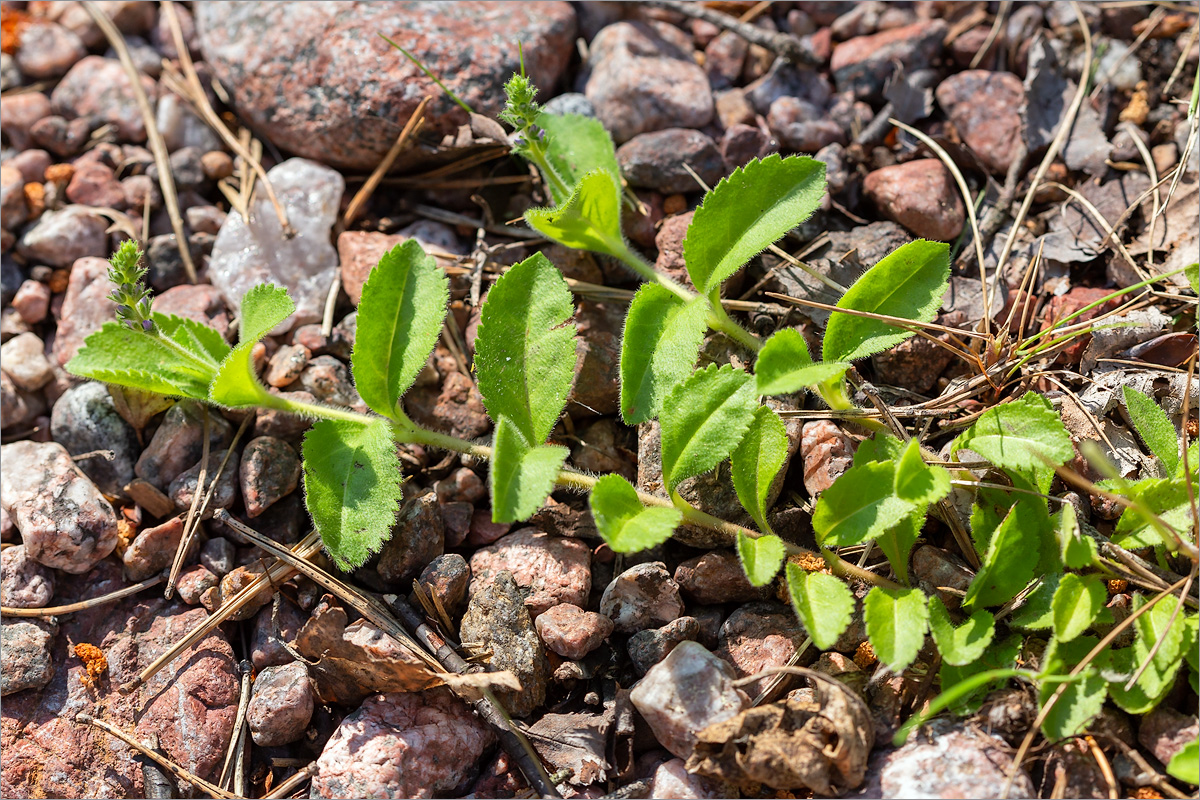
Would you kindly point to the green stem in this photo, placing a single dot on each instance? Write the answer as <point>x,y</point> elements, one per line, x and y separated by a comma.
<point>720,321</point>
<point>833,392</point>
<point>535,151</point>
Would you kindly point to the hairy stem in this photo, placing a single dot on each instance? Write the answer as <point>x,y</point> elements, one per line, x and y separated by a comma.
<point>720,321</point>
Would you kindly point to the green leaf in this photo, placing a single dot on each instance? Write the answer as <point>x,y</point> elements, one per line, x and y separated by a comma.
<point>352,486</point>
<point>1077,601</point>
<point>662,336</point>
<point>1076,550</point>
<point>747,212</point>
<point>898,540</point>
<point>1155,428</point>
<point>1036,613</point>
<point>859,506</point>
<point>784,365</point>
<point>1154,631</point>
<point>1083,699</point>
<point>908,283</point>
<point>917,482</point>
<point>883,446</point>
<point>622,520</point>
<point>1169,499</point>
<point>823,603</point>
<point>1001,655</point>
<point>761,557</point>
<point>896,621</point>
<point>525,348</point>
<point>1185,765</point>
<point>1010,560</point>
<point>195,337</point>
<point>966,643</point>
<point>263,307</point>
<point>521,475</point>
<point>399,318</point>
<point>576,145</point>
<point>1019,435</point>
<point>703,419</point>
<point>126,357</point>
<point>756,462</point>
<point>590,219</point>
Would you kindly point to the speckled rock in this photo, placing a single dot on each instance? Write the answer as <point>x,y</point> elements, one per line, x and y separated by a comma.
<point>417,538</point>
<point>201,302</point>
<point>265,647</point>
<point>32,301</point>
<point>327,379</point>
<point>647,648</point>
<point>553,569</point>
<point>269,470</point>
<point>656,159</point>
<point>18,115</point>
<point>47,50</point>
<point>24,583</point>
<point>802,126</point>
<point>861,65</point>
<point>672,780</point>
<point>759,636</point>
<point>178,444</point>
<point>985,108</point>
<point>446,578</point>
<point>286,365</point>
<point>153,549</point>
<point>643,81</point>
<point>86,306</point>
<point>827,453</point>
<point>684,693</point>
<point>218,555</point>
<point>85,420</point>
<point>60,237</point>
<point>251,252</point>
<point>403,745</point>
<point>359,252</point>
<point>1165,731</point>
<point>717,577</point>
<point>182,490</point>
<point>194,581</point>
<point>64,521</point>
<point>317,80</point>
<point>24,360</point>
<point>946,761</point>
<point>499,621</point>
<point>27,660</point>
<point>921,196</point>
<point>643,596</point>
<point>572,632</point>
<point>281,705</point>
<point>99,89</point>
<point>13,209</point>
<point>95,184</point>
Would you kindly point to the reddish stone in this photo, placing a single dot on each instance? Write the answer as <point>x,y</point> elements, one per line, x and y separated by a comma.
<point>921,196</point>
<point>985,108</point>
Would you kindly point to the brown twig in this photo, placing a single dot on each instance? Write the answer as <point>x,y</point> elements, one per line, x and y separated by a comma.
<point>367,189</point>
<point>153,135</point>
<point>236,742</point>
<point>83,605</point>
<point>784,45</point>
<point>293,783</point>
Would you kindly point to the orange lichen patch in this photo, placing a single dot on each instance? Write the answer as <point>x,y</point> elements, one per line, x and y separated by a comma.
<point>59,279</point>
<point>1117,585</point>
<point>1139,106</point>
<point>1146,793</point>
<point>865,656</point>
<point>809,562</point>
<point>93,660</point>
<point>10,30</point>
<point>1193,427</point>
<point>35,199</point>
<point>60,173</point>
<point>126,531</point>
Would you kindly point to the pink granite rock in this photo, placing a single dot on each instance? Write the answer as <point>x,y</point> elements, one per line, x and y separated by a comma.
<point>985,108</point>
<point>921,196</point>
<point>281,706</point>
<point>643,596</point>
<point>553,569</point>
<point>572,632</point>
<point>24,583</point>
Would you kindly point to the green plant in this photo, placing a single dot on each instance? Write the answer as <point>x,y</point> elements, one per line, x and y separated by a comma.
<point>1033,558</point>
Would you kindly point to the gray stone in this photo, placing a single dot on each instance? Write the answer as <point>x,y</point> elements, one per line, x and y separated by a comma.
<point>85,420</point>
<point>270,469</point>
<point>218,555</point>
<point>24,359</point>
<point>27,663</point>
<point>643,596</point>
<point>655,160</point>
<point>178,443</point>
<point>59,238</point>
<point>281,706</point>
<point>24,583</point>
<point>183,488</point>
<point>647,648</point>
<point>417,538</point>
<point>498,620</point>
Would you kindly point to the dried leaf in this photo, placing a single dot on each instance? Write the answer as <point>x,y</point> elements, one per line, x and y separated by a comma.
<point>577,742</point>
<point>471,685</point>
<point>1048,96</point>
<point>349,663</point>
<point>794,744</point>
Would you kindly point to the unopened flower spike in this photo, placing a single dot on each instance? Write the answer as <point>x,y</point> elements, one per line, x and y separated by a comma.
<point>129,293</point>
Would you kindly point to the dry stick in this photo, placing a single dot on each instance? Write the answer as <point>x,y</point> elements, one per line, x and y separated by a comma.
<point>1056,144</point>
<point>239,723</point>
<point>512,740</point>
<point>367,189</point>
<point>1080,667</point>
<point>276,573</point>
<point>993,220</point>
<point>201,104</point>
<point>178,771</point>
<point>1160,781</point>
<point>153,135</point>
<point>784,45</point>
<point>997,24</point>
<point>83,605</point>
<point>293,783</point>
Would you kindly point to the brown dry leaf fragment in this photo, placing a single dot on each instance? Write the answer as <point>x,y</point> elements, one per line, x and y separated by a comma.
<point>94,662</point>
<point>470,686</point>
<point>349,663</point>
<point>793,744</point>
<point>1175,231</point>
<point>577,742</point>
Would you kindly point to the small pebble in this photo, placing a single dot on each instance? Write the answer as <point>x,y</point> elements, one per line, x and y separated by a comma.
<point>648,647</point>
<point>641,597</point>
<point>572,632</point>
<point>24,583</point>
<point>281,705</point>
<point>27,661</point>
<point>32,301</point>
<point>270,469</point>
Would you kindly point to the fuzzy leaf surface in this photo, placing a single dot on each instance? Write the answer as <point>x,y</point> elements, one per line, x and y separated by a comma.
<point>399,318</point>
<point>521,475</point>
<point>118,354</point>
<point>193,336</point>
<point>236,384</point>
<point>352,486</point>
<point>1185,765</point>
<point>823,603</point>
<point>624,522</point>
<point>577,145</point>
<point>1083,699</point>
<point>964,644</point>
<point>897,541</point>
<point>1010,559</point>
<point>908,283</point>
<point>761,557</point>
<point>882,446</point>
<point>747,212</point>
<point>859,506</point>
<point>1017,435</point>
<point>784,365</point>
<point>1076,603</point>
<point>896,621</point>
<point>590,219</point>
<point>525,349</point>
<point>662,336</point>
<point>1168,498</point>
<point>703,420</point>
<point>1155,428</point>
<point>756,461</point>
<point>1151,629</point>
<point>917,482</point>
<point>1076,550</point>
